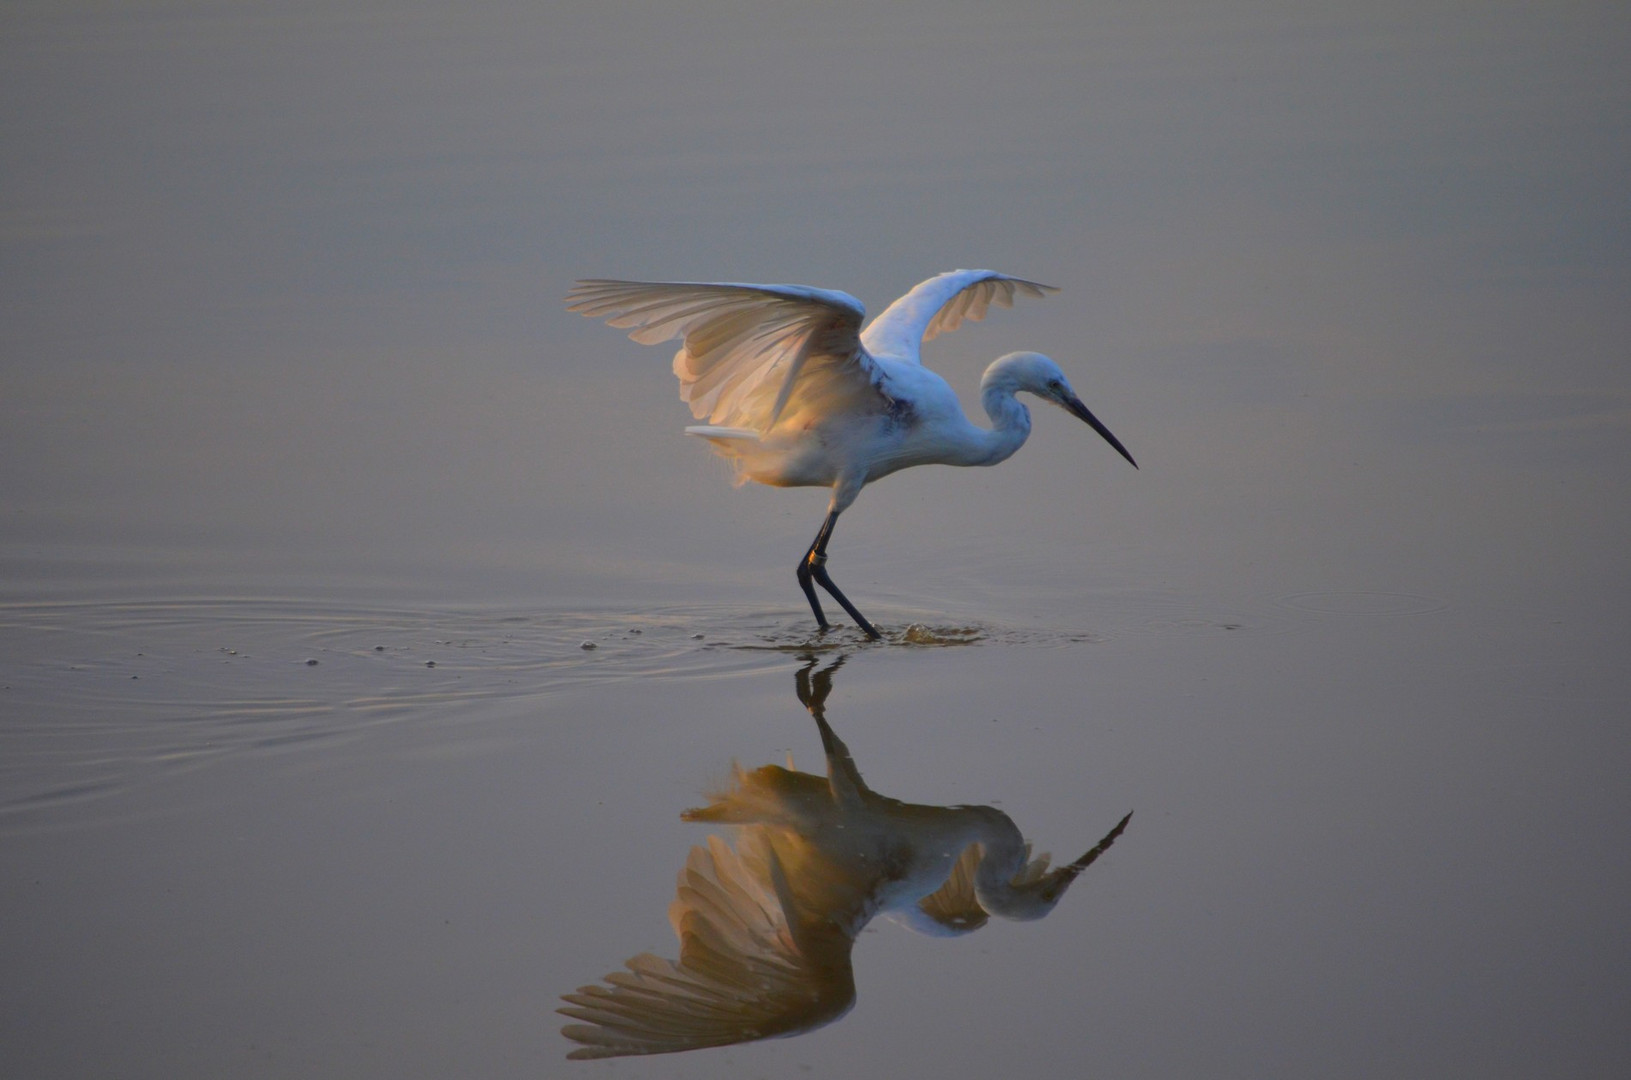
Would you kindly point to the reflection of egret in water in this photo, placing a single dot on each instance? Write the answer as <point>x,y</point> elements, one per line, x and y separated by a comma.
<point>766,927</point>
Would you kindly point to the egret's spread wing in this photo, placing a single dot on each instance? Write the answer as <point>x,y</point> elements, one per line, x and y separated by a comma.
<point>744,972</point>
<point>941,304</point>
<point>748,350</point>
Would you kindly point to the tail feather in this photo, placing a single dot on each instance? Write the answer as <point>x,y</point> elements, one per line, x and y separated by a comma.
<point>769,794</point>
<point>739,446</point>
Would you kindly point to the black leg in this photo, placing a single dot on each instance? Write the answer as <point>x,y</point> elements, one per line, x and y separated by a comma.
<point>808,586</point>
<point>813,686</point>
<point>842,775</point>
<point>813,571</point>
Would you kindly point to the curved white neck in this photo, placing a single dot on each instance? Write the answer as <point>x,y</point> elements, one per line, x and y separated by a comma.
<point>1010,419</point>
<point>1004,855</point>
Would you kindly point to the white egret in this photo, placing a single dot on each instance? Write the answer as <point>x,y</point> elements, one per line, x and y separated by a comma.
<point>796,394</point>
<point>767,928</point>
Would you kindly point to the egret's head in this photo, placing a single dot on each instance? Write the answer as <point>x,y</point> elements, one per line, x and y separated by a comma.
<point>1036,888</point>
<point>1037,374</point>
<point>1030,897</point>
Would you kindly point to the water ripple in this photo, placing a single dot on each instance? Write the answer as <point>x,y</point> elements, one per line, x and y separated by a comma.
<point>98,693</point>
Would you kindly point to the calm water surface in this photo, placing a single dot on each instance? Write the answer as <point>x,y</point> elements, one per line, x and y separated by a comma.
<point>366,623</point>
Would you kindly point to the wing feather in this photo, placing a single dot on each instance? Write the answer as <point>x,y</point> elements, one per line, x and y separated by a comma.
<point>953,908</point>
<point>749,352</point>
<point>941,304</point>
<point>743,971</point>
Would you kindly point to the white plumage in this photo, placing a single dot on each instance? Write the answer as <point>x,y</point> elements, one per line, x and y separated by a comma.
<point>797,394</point>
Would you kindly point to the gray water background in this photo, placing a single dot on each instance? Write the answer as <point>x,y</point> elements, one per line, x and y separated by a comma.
<point>285,376</point>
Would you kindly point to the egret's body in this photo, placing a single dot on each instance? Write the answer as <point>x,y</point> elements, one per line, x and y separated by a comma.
<point>796,394</point>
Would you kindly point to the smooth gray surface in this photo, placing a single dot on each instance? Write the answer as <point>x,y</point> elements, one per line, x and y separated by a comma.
<point>285,375</point>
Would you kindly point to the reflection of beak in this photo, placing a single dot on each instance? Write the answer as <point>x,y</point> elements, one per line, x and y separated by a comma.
<point>1074,404</point>
<point>1070,871</point>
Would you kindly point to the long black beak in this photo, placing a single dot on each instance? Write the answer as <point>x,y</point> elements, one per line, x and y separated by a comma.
<point>1102,846</point>
<point>1076,407</point>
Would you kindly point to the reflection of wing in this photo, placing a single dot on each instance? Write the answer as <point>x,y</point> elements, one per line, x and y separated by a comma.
<point>749,349</point>
<point>941,304</point>
<point>954,908</point>
<point>744,972</point>
<point>951,909</point>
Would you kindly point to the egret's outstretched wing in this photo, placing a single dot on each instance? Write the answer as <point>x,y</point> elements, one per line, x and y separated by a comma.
<point>745,970</point>
<point>941,304</point>
<point>749,350</point>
